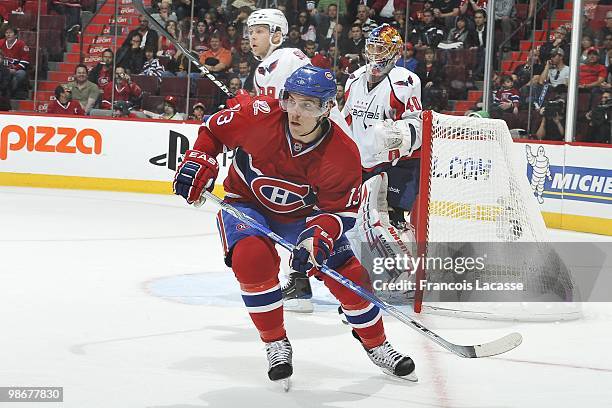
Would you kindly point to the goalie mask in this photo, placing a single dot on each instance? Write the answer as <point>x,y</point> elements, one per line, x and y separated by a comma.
<point>381,51</point>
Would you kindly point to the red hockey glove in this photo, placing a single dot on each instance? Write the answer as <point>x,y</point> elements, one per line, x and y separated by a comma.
<point>313,247</point>
<point>242,98</point>
<point>197,172</point>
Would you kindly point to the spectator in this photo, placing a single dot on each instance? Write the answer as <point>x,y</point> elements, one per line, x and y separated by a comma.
<point>477,40</point>
<point>551,127</point>
<point>123,89</point>
<point>364,20</point>
<point>234,84</point>
<point>427,34</point>
<point>559,41</point>
<point>294,39</point>
<point>319,59</point>
<point>399,23</point>
<point>340,96</point>
<point>101,73</point>
<point>217,59</point>
<point>200,37</point>
<point>72,10</point>
<point>165,13</point>
<point>123,109</point>
<point>214,25</point>
<point>505,12</point>
<point>459,34</point>
<point>469,7</point>
<point>63,105</point>
<point>555,72</point>
<point>197,112</point>
<point>83,91</point>
<point>592,74</point>
<point>147,35</point>
<point>244,54</point>
<point>505,99</point>
<point>183,8</point>
<point>408,59</point>
<point>585,45</point>
<point>232,40</point>
<point>17,58</point>
<point>244,72</point>
<point>152,66</point>
<point>166,50</point>
<point>432,82</point>
<point>386,10</point>
<point>169,110</point>
<point>427,5</point>
<point>607,47</point>
<point>354,47</point>
<point>307,29</point>
<point>529,72</point>
<point>5,77</point>
<point>608,27</point>
<point>132,58</point>
<point>325,24</point>
<point>445,12</point>
<point>599,120</point>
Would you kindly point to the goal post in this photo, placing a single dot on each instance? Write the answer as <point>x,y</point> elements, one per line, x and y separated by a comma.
<point>474,198</point>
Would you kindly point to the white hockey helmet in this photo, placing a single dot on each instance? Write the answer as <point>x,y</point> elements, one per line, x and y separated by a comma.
<point>273,18</point>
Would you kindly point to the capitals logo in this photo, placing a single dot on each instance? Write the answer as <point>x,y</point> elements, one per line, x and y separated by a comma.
<point>269,68</point>
<point>281,196</point>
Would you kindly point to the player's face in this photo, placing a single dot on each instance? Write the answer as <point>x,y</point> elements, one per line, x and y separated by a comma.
<point>259,38</point>
<point>303,113</point>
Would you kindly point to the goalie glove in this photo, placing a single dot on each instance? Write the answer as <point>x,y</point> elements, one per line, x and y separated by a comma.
<point>314,245</point>
<point>395,139</point>
<point>197,172</point>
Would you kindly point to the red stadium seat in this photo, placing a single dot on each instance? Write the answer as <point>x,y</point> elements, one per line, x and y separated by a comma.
<point>173,86</point>
<point>22,22</point>
<point>148,84</point>
<point>54,22</point>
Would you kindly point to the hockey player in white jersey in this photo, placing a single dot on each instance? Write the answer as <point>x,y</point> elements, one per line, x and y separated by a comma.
<point>267,29</point>
<point>383,110</point>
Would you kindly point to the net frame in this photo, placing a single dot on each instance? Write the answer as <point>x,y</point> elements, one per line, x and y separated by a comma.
<point>439,128</point>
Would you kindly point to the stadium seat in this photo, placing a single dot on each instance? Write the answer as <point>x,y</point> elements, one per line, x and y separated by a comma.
<point>148,84</point>
<point>54,22</point>
<point>206,88</point>
<point>31,7</point>
<point>152,103</point>
<point>173,86</point>
<point>22,22</point>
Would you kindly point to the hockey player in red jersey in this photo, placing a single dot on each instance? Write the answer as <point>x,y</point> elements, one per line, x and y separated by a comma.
<point>298,173</point>
<point>17,56</point>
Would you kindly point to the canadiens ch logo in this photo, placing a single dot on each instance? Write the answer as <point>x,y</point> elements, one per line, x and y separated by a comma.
<point>297,147</point>
<point>241,227</point>
<point>281,196</point>
<point>260,106</point>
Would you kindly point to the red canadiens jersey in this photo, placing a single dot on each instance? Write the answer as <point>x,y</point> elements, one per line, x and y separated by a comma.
<point>285,179</point>
<point>123,92</point>
<point>18,55</point>
<point>71,108</point>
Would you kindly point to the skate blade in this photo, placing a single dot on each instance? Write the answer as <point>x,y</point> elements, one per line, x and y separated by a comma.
<point>410,377</point>
<point>285,383</point>
<point>298,305</point>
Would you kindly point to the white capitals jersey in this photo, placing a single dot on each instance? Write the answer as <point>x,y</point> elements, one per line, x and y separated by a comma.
<point>274,70</point>
<point>396,97</point>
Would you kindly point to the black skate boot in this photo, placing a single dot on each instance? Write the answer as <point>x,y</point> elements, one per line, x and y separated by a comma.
<point>279,355</point>
<point>297,294</point>
<point>392,362</point>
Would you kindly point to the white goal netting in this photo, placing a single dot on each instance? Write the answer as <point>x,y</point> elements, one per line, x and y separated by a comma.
<point>481,205</point>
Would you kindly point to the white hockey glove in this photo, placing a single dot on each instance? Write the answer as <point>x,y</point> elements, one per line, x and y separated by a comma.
<point>395,139</point>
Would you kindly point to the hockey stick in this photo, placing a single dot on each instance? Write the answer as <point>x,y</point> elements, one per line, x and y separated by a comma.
<point>495,347</point>
<point>141,9</point>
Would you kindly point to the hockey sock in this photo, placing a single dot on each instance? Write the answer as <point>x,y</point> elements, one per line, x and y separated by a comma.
<point>363,316</point>
<point>255,263</point>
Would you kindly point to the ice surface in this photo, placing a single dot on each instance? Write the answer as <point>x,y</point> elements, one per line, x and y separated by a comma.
<point>124,300</point>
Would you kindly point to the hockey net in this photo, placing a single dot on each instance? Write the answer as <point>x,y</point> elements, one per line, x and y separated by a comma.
<point>475,199</point>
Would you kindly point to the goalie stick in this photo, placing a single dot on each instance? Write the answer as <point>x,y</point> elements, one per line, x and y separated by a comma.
<point>492,348</point>
<point>141,9</point>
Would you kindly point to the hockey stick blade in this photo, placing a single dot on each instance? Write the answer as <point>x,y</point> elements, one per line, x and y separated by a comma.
<point>492,348</point>
<point>158,27</point>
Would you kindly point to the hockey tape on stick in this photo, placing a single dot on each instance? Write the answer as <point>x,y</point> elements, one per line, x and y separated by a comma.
<point>158,27</point>
<point>492,348</point>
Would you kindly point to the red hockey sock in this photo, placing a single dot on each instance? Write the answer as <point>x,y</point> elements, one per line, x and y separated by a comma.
<point>255,263</point>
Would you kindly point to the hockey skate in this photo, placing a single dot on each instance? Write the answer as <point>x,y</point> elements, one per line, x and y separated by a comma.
<point>279,355</point>
<point>392,362</point>
<point>297,294</point>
